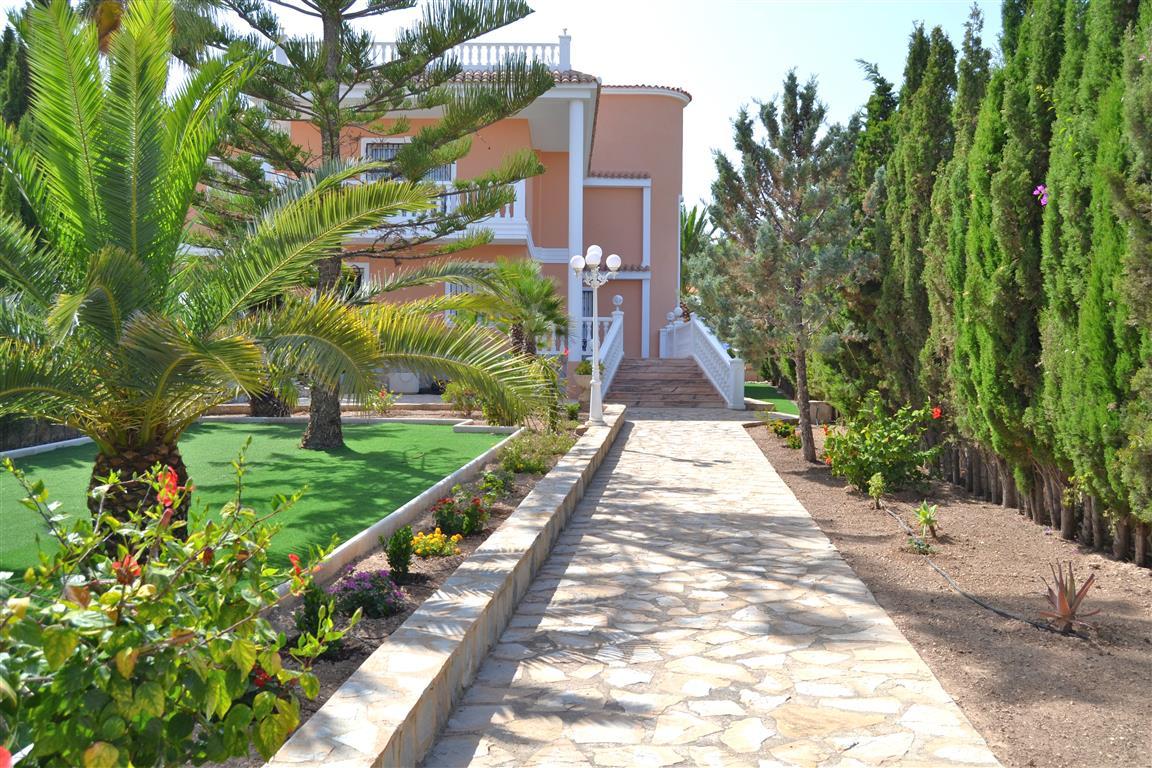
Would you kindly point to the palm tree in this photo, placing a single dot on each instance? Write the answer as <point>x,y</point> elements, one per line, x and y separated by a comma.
<point>531,306</point>
<point>695,234</point>
<point>109,324</point>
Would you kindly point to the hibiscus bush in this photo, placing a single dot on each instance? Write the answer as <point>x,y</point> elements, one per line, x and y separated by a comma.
<point>876,442</point>
<point>142,641</point>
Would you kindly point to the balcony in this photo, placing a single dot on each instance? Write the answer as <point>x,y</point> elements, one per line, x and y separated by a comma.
<point>481,57</point>
<point>509,225</point>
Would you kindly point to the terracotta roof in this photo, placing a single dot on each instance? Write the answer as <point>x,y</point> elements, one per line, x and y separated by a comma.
<point>619,175</point>
<point>561,77</point>
<point>672,88</point>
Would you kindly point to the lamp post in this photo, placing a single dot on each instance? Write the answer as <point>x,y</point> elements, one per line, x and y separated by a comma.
<point>588,268</point>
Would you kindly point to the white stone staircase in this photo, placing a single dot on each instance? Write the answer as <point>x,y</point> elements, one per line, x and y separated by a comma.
<point>663,383</point>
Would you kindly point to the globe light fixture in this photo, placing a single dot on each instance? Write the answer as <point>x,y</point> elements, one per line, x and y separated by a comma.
<point>588,268</point>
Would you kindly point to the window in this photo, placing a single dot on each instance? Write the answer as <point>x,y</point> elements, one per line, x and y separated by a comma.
<point>358,273</point>
<point>385,151</point>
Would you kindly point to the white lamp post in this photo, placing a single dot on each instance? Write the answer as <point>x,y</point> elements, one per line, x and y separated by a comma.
<point>588,268</point>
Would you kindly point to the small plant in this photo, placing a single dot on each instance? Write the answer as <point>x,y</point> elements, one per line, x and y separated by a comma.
<point>436,544</point>
<point>876,489</point>
<point>381,402</point>
<point>461,397</point>
<point>926,519</point>
<point>532,452</point>
<point>782,428</point>
<point>876,441</point>
<point>460,514</point>
<point>315,606</point>
<point>495,485</point>
<point>919,546</point>
<point>398,549</point>
<point>584,368</point>
<point>572,411</point>
<point>1066,599</point>
<point>372,592</point>
<point>792,441</point>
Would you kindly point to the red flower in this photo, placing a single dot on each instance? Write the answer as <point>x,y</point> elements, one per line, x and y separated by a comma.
<point>828,460</point>
<point>260,678</point>
<point>168,487</point>
<point>295,560</point>
<point>5,758</point>
<point>126,570</point>
<point>937,412</point>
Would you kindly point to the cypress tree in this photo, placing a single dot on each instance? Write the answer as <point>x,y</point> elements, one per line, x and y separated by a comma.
<point>14,84</point>
<point>944,249</point>
<point>924,142</point>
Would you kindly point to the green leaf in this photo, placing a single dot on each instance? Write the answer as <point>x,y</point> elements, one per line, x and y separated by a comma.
<point>59,643</point>
<point>101,755</point>
<point>262,704</point>
<point>113,728</point>
<point>269,735</point>
<point>217,701</point>
<point>243,652</point>
<point>149,700</point>
<point>126,661</point>
<point>310,685</point>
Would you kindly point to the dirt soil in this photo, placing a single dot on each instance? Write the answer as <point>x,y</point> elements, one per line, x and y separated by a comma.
<point>425,577</point>
<point>1039,698</point>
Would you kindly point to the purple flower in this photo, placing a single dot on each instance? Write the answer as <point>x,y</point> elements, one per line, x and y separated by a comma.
<point>1041,192</point>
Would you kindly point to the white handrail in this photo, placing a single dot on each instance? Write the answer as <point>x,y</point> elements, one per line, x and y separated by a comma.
<point>477,57</point>
<point>696,340</point>
<point>612,350</point>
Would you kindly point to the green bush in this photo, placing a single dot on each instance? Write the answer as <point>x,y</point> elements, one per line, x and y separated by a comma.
<point>461,397</point>
<point>399,552</point>
<point>793,441</point>
<point>143,641</point>
<point>877,488</point>
<point>532,452</point>
<point>572,410</point>
<point>495,485</point>
<point>874,442</point>
<point>783,429</point>
<point>373,592</point>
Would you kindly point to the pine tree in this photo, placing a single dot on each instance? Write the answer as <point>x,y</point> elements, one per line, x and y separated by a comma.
<point>14,85</point>
<point>923,143</point>
<point>336,82</point>
<point>788,220</point>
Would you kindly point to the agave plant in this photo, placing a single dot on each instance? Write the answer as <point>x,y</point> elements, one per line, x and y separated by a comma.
<point>109,324</point>
<point>1066,599</point>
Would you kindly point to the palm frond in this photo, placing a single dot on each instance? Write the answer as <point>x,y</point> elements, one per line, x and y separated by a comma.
<point>66,115</point>
<point>323,339</point>
<point>474,355</point>
<point>288,239</point>
<point>117,286</point>
<point>43,383</point>
<point>134,122</point>
<point>23,264</point>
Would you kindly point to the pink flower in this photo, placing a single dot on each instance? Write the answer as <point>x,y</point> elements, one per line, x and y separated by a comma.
<point>1041,192</point>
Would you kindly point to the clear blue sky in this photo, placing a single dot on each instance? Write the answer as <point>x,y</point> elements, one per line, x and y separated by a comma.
<point>727,53</point>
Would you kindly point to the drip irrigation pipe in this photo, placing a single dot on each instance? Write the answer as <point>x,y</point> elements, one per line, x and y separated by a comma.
<point>956,587</point>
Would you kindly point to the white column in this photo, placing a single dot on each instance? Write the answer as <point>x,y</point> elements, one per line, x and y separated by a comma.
<point>645,315</point>
<point>575,219</point>
<point>646,251</point>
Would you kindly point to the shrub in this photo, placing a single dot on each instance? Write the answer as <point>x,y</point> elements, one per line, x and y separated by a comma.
<point>399,551</point>
<point>143,641</point>
<point>461,397</point>
<point>572,411</point>
<point>875,442</point>
<point>793,441</point>
<point>583,368</point>
<point>926,519</point>
<point>381,402</point>
<point>532,452</point>
<point>877,488</point>
<point>782,428</point>
<point>436,544</point>
<point>494,413</point>
<point>495,485</point>
<point>373,592</point>
<point>460,514</point>
<point>316,605</point>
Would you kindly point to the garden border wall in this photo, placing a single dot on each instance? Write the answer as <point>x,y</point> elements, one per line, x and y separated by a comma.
<point>389,712</point>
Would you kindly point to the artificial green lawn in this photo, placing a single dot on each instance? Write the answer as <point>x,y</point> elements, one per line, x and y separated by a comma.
<point>382,467</point>
<point>762,390</point>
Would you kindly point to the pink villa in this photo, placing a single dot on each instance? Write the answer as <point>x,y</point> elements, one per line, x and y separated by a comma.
<point>613,157</point>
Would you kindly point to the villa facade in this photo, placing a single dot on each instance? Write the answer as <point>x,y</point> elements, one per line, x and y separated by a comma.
<point>612,156</point>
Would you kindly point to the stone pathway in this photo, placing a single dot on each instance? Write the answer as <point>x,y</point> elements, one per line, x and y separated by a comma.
<point>692,614</point>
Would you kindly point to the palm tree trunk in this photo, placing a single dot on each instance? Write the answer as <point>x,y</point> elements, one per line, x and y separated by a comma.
<point>131,495</point>
<point>518,337</point>
<point>266,404</point>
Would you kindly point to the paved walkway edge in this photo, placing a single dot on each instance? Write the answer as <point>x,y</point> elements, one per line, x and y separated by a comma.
<point>389,712</point>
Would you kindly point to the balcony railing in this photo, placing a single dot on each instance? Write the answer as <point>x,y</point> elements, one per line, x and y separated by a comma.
<point>508,224</point>
<point>478,57</point>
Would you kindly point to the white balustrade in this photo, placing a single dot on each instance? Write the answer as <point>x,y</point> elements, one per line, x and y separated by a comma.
<point>612,349</point>
<point>479,57</point>
<point>696,340</point>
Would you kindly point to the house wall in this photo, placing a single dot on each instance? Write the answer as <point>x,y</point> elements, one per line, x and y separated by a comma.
<point>614,220</point>
<point>549,201</point>
<point>645,132</point>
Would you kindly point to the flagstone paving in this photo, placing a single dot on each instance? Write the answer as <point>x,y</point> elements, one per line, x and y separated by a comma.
<point>693,614</point>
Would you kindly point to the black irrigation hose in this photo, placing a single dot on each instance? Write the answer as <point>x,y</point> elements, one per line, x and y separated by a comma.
<point>952,583</point>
